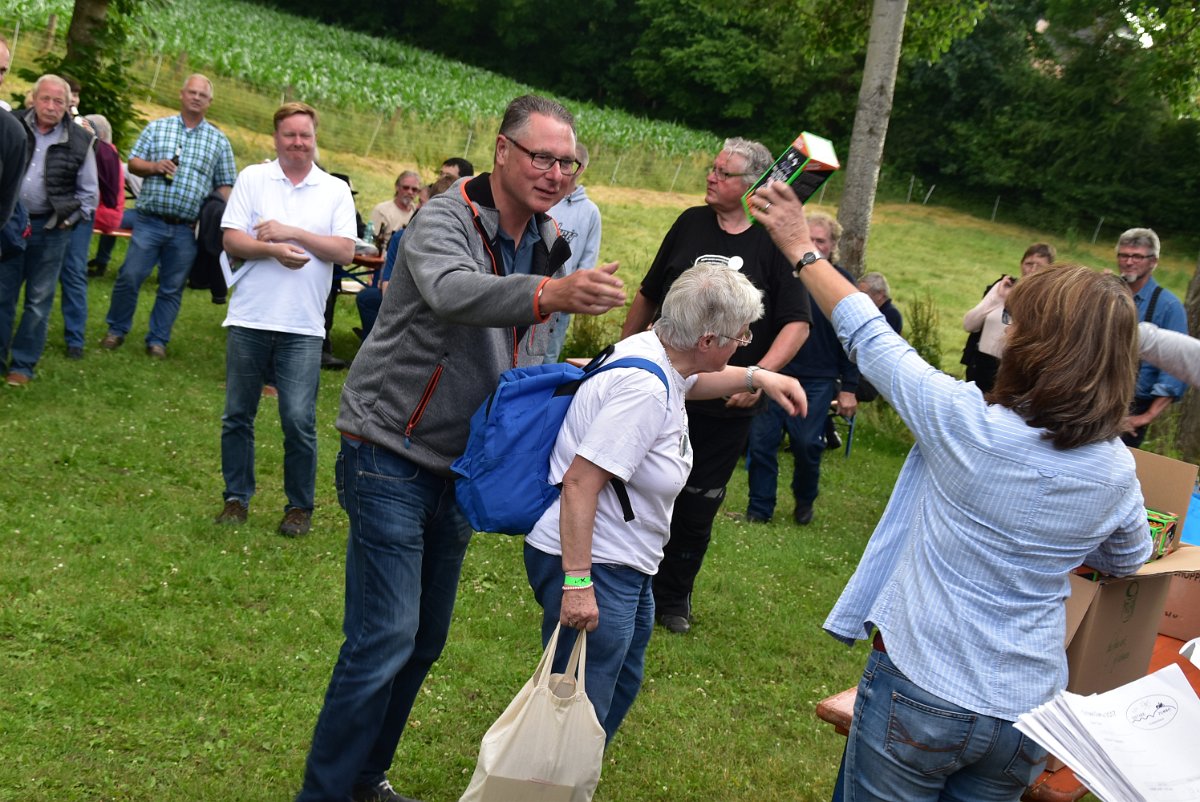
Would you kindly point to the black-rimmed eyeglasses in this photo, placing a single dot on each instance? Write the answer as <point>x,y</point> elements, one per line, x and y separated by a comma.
<point>546,161</point>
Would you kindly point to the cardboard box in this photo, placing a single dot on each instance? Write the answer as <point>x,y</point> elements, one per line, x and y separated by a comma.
<point>1167,485</point>
<point>805,166</point>
<point>1181,616</point>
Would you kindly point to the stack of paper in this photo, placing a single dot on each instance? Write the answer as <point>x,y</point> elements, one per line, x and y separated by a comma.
<point>1138,742</point>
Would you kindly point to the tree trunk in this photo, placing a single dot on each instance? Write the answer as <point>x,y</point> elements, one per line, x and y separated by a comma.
<point>1187,439</point>
<point>870,130</point>
<point>88,18</point>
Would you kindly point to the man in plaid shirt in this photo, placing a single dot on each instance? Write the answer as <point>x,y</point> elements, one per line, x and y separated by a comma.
<point>183,158</point>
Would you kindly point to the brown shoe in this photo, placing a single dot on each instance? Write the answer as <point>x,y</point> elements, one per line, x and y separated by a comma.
<point>234,513</point>
<point>15,379</point>
<point>156,351</point>
<point>112,342</point>
<point>296,522</point>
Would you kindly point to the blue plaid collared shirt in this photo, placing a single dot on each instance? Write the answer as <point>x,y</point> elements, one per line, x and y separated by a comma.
<point>205,163</point>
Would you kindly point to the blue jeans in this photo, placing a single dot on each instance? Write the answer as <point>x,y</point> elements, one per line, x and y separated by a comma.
<point>173,249</point>
<point>403,560</point>
<point>37,269</point>
<point>808,446</point>
<point>368,301</point>
<point>616,651</point>
<point>906,743</point>
<point>104,247</point>
<point>293,361</point>
<point>74,283</point>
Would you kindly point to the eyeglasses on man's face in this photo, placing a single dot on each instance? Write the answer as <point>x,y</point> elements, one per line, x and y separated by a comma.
<point>1136,258</point>
<point>546,161</point>
<point>722,176</point>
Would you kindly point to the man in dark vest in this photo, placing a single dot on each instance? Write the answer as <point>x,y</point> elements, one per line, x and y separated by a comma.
<point>60,189</point>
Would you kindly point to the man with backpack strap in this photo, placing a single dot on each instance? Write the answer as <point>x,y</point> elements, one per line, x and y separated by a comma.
<point>473,283</point>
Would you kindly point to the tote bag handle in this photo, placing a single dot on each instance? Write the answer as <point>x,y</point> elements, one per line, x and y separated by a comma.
<point>575,670</point>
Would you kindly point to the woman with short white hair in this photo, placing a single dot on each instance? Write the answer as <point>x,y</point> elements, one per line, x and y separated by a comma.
<point>589,567</point>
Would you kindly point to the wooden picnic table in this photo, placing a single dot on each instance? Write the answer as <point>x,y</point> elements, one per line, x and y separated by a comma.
<point>1051,786</point>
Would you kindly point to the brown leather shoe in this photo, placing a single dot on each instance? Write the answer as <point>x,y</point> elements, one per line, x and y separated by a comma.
<point>156,351</point>
<point>112,342</point>
<point>234,513</point>
<point>15,379</point>
<point>296,522</point>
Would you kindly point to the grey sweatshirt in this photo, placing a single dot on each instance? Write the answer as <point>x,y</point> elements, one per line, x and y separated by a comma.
<point>451,322</point>
<point>1177,354</point>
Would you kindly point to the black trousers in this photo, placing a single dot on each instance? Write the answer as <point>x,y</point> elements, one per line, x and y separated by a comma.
<point>717,443</point>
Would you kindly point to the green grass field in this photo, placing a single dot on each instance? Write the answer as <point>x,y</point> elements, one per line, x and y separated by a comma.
<point>148,654</point>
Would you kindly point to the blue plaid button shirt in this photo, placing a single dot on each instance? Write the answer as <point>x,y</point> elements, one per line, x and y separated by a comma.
<point>205,163</point>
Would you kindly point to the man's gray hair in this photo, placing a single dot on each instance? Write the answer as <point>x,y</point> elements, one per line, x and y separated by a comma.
<point>516,116</point>
<point>50,78</point>
<point>1140,238</point>
<point>832,227</point>
<point>211,89</point>
<point>876,283</point>
<point>708,299</point>
<point>755,154</point>
<point>407,173</point>
<point>101,126</point>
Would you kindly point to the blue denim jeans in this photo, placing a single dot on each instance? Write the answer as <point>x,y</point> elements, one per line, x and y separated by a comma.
<point>74,283</point>
<point>252,356</point>
<point>807,435</point>
<point>403,560</point>
<point>906,743</point>
<point>37,269</point>
<point>104,247</point>
<point>368,301</point>
<point>173,249</point>
<point>616,651</point>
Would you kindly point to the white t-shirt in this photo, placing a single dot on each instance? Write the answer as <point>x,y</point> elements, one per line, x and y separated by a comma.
<point>624,421</point>
<point>270,296</point>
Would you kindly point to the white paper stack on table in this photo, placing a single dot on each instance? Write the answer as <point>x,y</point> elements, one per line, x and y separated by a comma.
<point>1140,741</point>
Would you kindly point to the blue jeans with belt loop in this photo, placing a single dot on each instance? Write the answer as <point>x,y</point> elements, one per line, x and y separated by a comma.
<point>403,561</point>
<point>907,743</point>
<point>172,246</point>
<point>37,268</point>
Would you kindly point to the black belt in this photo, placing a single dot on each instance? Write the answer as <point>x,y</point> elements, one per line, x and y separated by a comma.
<point>172,221</point>
<point>40,215</point>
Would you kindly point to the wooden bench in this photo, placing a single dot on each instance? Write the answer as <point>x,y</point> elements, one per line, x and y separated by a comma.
<point>1051,786</point>
<point>116,232</point>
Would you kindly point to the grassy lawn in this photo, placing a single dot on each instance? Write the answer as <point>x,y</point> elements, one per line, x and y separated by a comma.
<point>147,654</point>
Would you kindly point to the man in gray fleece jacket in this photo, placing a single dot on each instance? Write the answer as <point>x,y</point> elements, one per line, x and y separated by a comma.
<point>478,273</point>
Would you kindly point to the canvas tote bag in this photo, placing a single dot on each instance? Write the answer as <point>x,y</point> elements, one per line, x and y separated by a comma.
<point>548,745</point>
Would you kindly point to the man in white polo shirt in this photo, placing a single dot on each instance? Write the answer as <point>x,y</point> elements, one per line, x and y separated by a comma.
<point>276,317</point>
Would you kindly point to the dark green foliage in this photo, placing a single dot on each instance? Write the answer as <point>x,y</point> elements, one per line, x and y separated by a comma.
<point>102,67</point>
<point>921,328</point>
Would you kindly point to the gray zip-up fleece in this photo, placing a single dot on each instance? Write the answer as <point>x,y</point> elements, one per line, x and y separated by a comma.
<point>451,322</point>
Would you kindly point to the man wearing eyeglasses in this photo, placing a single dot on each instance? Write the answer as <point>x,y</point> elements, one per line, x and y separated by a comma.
<point>1137,256</point>
<point>479,273</point>
<point>719,429</point>
<point>392,215</point>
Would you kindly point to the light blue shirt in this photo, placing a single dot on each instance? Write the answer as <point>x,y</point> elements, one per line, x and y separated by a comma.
<point>966,572</point>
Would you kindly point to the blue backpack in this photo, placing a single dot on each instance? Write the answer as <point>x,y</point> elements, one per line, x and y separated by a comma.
<point>503,483</point>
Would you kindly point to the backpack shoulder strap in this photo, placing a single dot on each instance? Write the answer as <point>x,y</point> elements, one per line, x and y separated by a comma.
<point>633,362</point>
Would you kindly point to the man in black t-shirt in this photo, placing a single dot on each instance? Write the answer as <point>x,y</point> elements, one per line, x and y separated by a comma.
<point>719,429</point>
